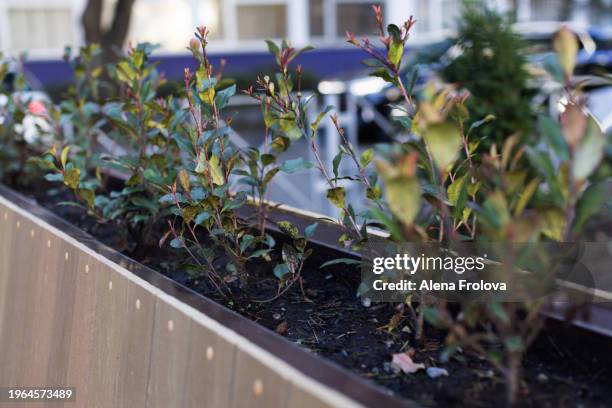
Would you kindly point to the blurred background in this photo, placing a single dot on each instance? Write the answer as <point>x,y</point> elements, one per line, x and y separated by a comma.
<point>42,28</point>
<point>38,30</point>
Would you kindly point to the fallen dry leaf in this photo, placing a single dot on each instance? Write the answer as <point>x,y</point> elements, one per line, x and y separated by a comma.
<point>404,362</point>
<point>396,319</point>
<point>282,327</point>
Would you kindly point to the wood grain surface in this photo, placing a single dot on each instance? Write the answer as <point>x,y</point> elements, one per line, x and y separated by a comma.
<point>69,318</point>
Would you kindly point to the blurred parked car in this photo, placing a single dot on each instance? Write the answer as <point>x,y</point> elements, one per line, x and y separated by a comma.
<point>366,102</point>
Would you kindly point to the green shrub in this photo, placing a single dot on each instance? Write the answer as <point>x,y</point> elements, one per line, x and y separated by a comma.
<point>142,126</point>
<point>518,193</point>
<point>444,185</point>
<point>207,200</point>
<point>492,66</point>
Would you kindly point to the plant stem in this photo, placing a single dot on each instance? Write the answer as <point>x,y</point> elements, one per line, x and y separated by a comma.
<point>513,378</point>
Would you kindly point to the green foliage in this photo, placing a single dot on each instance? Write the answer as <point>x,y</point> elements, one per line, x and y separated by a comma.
<point>24,126</point>
<point>205,198</point>
<point>142,127</point>
<point>511,193</point>
<point>444,184</point>
<point>294,255</point>
<point>492,67</point>
<point>284,114</point>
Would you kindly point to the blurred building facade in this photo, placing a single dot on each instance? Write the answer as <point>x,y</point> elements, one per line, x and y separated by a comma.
<point>43,27</point>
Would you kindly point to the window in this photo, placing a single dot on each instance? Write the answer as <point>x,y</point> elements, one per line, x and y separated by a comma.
<point>317,25</point>
<point>543,10</point>
<point>331,19</point>
<point>209,14</point>
<point>262,21</point>
<point>159,22</point>
<point>172,24</point>
<point>43,29</point>
<point>356,17</point>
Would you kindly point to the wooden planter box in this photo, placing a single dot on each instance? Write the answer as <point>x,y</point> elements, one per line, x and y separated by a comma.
<point>75,313</point>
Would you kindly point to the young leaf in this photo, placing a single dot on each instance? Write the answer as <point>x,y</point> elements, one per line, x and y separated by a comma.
<point>366,157</point>
<point>457,195</point>
<point>177,243</point>
<point>281,270</point>
<point>223,97</point>
<point>288,228</point>
<point>315,125</point>
<point>444,142</point>
<point>565,44</point>
<point>343,261</point>
<point>525,196</point>
<point>64,156</point>
<point>454,189</point>
<point>215,170</point>
<point>291,257</point>
<point>273,49</point>
<point>295,165</point>
<point>54,177</point>
<point>551,130</point>
<point>337,196</point>
<point>267,159</point>
<point>404,198</point>
<point>591,201</point>
<point>208,95</point>
<point>336,163</point>
<point>589,151</point>
<point>310,230</point>
<point>201,217</point>
<point>553,223</point>
<point>246,242</point>
<point>396,51</point>
<point>88,196</point>
<point>183,177</point>
<point>373,193</point>
<point>72,178</point>
<point>481,122</point>
<point>394,32</point>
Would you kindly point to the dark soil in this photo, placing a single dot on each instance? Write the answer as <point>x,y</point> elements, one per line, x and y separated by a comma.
<point>566,367</point>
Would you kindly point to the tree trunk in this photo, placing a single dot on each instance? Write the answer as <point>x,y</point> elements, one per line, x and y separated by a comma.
<point>115,36</point>
<point>91,21</point>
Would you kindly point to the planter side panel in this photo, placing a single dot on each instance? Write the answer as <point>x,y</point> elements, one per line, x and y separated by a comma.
<point>109,328</point>
<point>6,221</point>
<point>71,318</point>
<point>19,332</point>
<point>82,330</point>
<point>256,386</point>
<point>171,337</point>
<point>136,347</point>
<point>210,370</point>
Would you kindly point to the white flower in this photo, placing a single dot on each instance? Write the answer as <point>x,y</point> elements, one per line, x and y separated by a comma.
<point>3,100</point>
<point>34,127</point>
